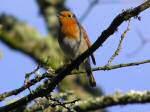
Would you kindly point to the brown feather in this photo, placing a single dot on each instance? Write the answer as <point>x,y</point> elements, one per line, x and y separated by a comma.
<point>88,43</point>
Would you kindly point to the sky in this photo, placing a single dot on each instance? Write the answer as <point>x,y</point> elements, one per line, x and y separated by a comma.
<point>14,65</point>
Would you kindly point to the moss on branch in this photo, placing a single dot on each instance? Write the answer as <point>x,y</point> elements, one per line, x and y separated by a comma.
<point>26,39</point>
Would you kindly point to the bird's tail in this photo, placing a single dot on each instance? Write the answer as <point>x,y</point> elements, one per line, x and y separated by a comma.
<point>90,76</point>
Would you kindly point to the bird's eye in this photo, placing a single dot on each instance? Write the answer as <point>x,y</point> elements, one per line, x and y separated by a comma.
<point>69,16</point>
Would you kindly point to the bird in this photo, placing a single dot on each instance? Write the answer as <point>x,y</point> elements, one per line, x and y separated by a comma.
<point>73,40</point>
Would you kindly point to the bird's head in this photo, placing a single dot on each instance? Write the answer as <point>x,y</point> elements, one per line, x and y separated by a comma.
<point>67,18</point>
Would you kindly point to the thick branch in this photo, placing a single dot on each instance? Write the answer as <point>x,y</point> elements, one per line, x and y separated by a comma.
<point>26,39</point>
<point>105,34</point>
<point>133,97</point>
<point>48,9</point>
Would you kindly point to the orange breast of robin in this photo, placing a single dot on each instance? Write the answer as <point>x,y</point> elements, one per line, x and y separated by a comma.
<point>70,29</point>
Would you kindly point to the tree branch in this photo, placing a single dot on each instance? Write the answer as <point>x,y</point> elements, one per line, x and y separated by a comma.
<point>88,10</point>
<point>116,66</point>
<point>132,97</point>
<point>116,53</point>
<point>24,87</point>
<point>27,40</point>
<point>126,15</point>
<point>48,9</point>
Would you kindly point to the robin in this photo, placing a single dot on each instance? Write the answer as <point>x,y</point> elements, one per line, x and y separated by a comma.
<point>73,40</point>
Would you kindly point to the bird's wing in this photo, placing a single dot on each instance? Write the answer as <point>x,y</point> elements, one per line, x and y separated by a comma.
<point>88,43</point>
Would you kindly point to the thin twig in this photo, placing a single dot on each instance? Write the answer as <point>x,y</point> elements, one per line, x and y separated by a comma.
<point>28,75</point>
<point>116,53</point>
<point>24,87</point>
<point>143,42</point>
<point>56,102</point>
<point>88,10</point>
<point>52,103</point>
<point>112,67</point>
